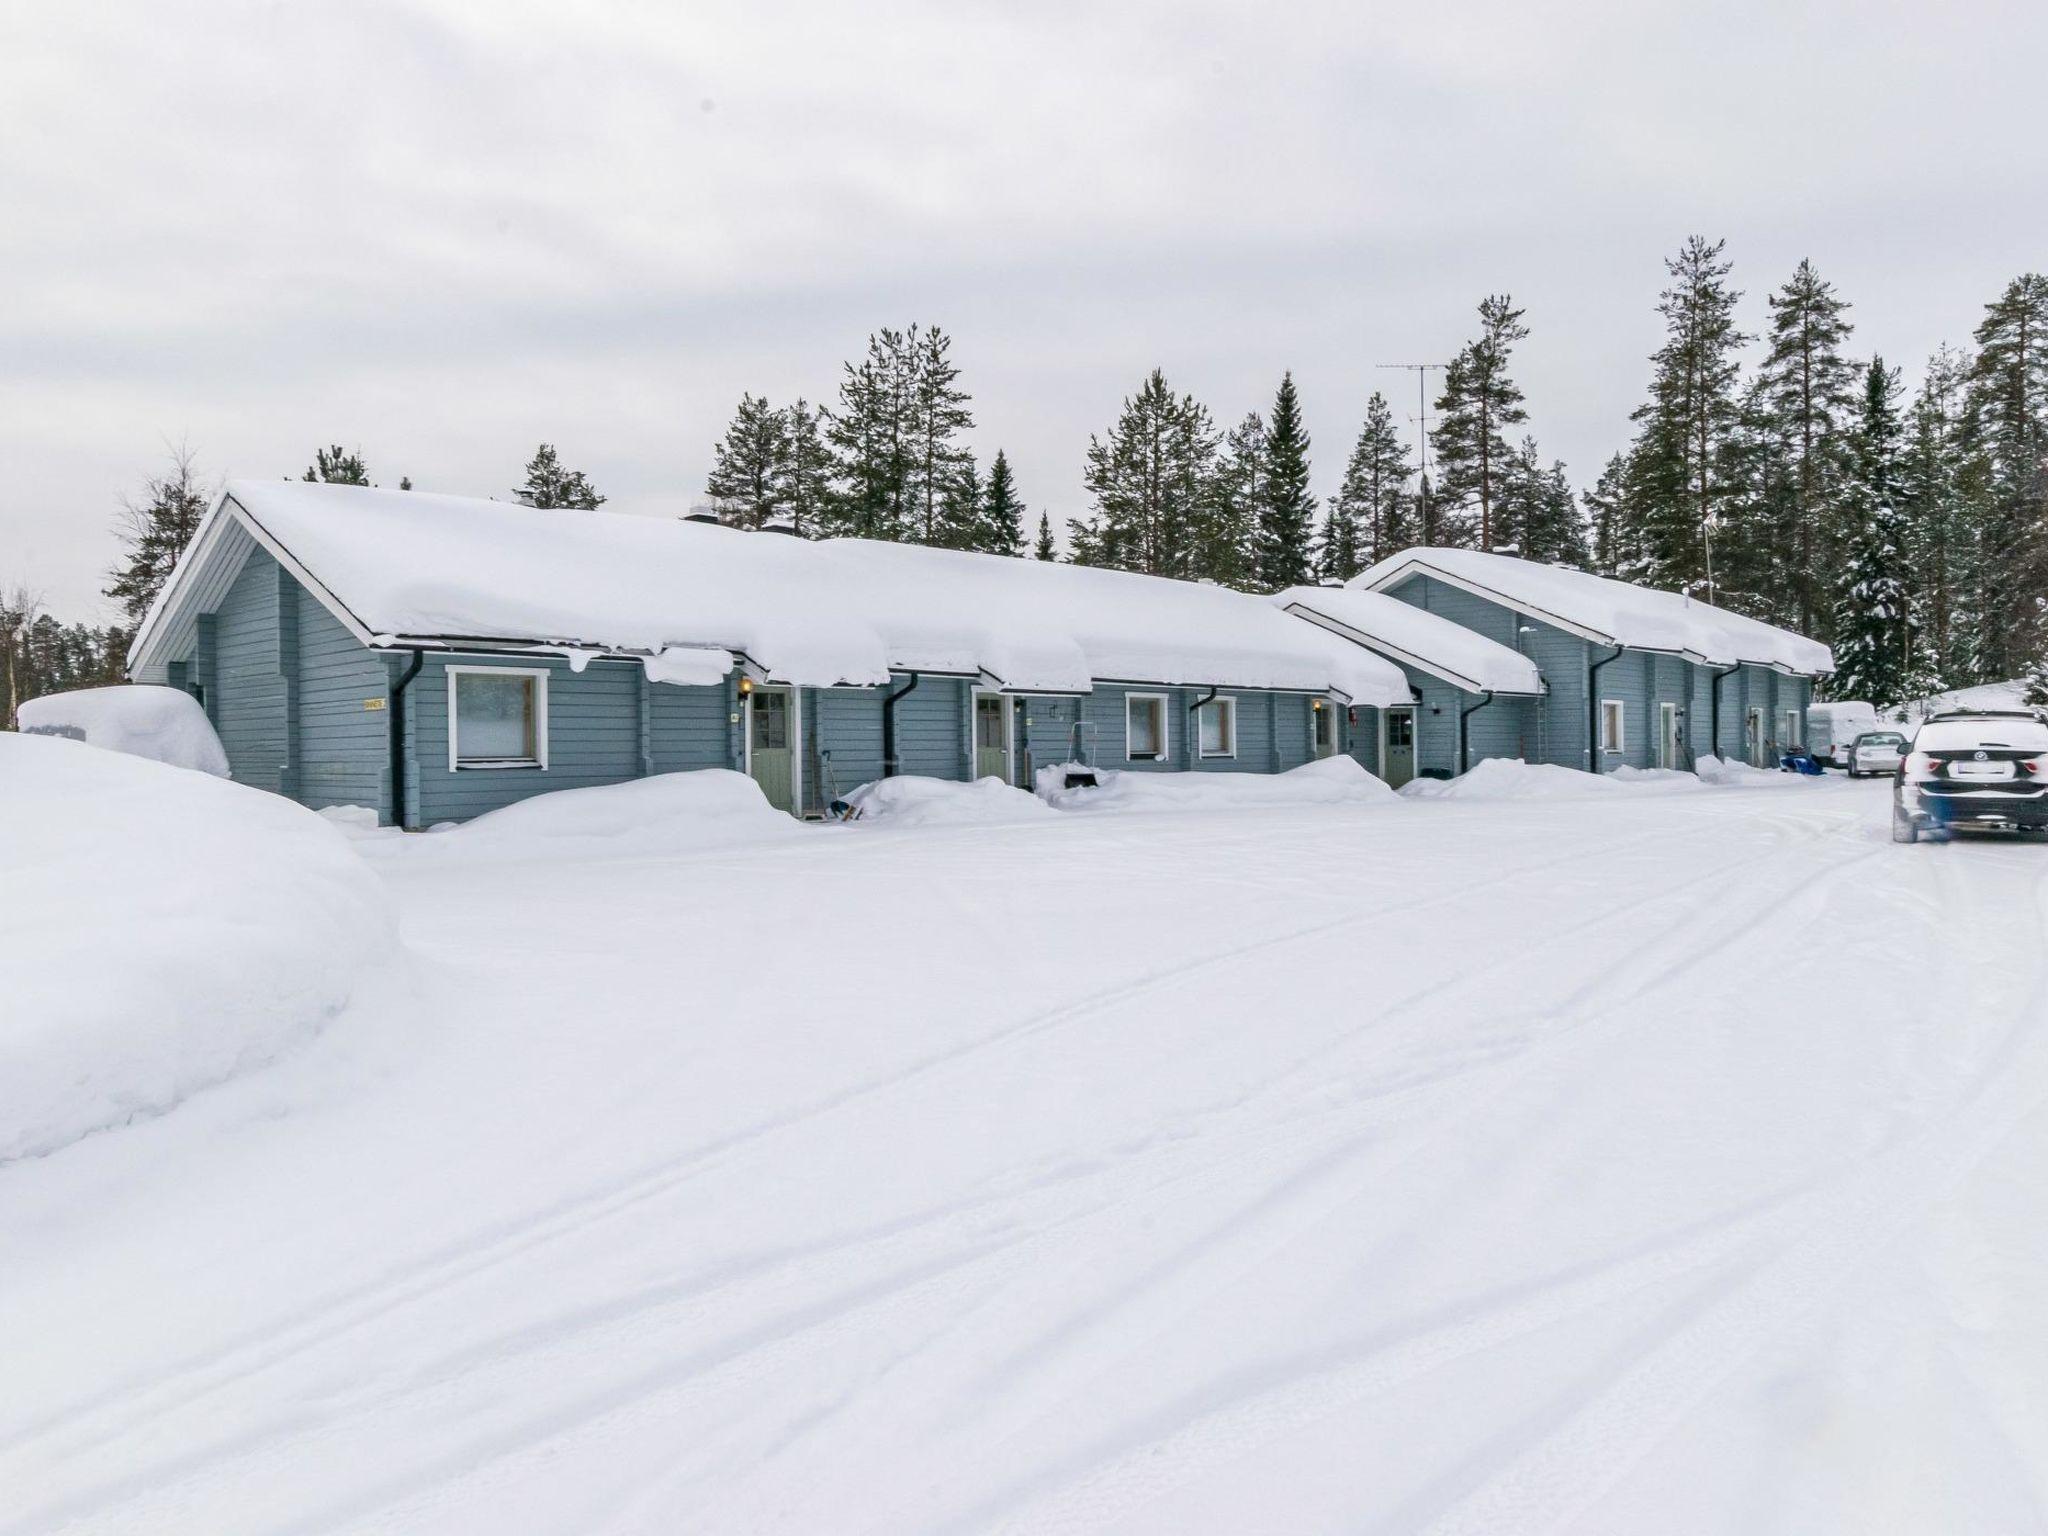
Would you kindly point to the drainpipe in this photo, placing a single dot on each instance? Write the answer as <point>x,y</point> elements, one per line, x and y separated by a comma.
<point>419,659</point>
<point>889,725</point>
<point>1195,726</point>
<point>1464,733</point>
<point>1593,708</point>
<point>1729,672</point>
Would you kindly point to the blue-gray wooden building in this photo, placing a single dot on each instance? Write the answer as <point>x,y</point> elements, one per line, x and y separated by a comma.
<point>437,657</point>
<point>1577,670</point>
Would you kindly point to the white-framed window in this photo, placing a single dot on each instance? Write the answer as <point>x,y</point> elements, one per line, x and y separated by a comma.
<point>1145,739</point>
<point>497,717</point>
<point>1613,726</point>
<point>1788,730</point>
<point>1216,723</point>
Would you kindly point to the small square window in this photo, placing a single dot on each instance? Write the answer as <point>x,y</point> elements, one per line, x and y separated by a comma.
<point>1612,737</point>
<point>1218,722</point>
<point>497,718</point>
<point>1145,727</point>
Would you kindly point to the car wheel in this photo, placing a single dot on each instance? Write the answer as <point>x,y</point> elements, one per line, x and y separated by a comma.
<point>1903,830</point>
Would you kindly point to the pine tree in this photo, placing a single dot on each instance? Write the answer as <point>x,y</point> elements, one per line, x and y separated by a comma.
<point>1374,497</point>
<point>155,532</point>
<point>337,466</point>
<point>1287,508</point>
<point>803,477</point>
<point>1605,517</point>
<point>960,514</point>
<point>548,484</point>
<point>2008,416</point>
<point>1227,522</point>
<point>748,479</point>
<point>938,414</point>
<point>1044,549</point>
<point>1810,387</point>
<point>2037,675</point>
<point>1147,480</point>
<point>1875,654</point>
<point>1002,514</point>
<point>1335,552</point>
<point>870,434</point>
<point>1479,403</point>
<point>1675,493</point>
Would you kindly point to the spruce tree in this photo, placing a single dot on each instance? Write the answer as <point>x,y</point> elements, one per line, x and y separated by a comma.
<point>1374,497</point>
<point>747,482</point>
<point>1479,403</point>
<point>1002,514</point>
<point>1604,517</point>
<point>337,466</point>
<point>1287,509</point>
<point>2008,416</point>
<point>1227,523</point>
<point>1875,654</point>
<point>871,434</point>
<point>1147,478</point>
<point>549,484</point>
<point>803,478</point>
<point>959,524</point>
<point>1044,549</point>
<point>1675,492</point>
<point>154,532</point>
<point>1942,544</point>
<point>1810,386</point>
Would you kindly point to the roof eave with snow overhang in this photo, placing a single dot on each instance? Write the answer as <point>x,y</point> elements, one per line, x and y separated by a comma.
<point>1529,685</point>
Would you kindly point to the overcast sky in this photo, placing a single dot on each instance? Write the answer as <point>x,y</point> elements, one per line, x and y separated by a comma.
<point>443,232</point>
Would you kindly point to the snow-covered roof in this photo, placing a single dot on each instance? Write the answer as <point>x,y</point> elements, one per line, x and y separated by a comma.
<point>1405,633</point>
<point>410,567</point>
<point>1608,611</point>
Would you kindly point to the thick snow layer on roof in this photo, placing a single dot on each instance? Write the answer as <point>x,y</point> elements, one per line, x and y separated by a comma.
<point>411,564</point>
<point>166,725</point>
<point>1407,633</point>
<point>1618,612</point>
<point>160,932</point>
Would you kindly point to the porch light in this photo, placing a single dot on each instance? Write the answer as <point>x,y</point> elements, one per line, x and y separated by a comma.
<point>746,686</point>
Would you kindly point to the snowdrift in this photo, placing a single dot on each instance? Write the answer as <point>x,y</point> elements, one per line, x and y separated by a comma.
<point>915,801</point>
<point>668,813</point>
<point>166,725</point>
<point>1332,781</point>
<point>1508,778</point>
<point>160,931</point>
<point>1722,772</point>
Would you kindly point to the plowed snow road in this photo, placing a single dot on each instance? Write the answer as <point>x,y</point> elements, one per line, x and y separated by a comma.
<point>1658,1160</point>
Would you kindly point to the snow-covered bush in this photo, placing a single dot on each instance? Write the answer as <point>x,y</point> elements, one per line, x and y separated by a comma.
<point>668,813</point>
<point>914,801</point>
<point>160,931</point>
<point>1329,781</point>
<point>166,725</point>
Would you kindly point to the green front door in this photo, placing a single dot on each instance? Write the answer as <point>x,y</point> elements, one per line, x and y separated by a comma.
<point>991,736</point>
<point>1397,763</point>
<point>771,742</point>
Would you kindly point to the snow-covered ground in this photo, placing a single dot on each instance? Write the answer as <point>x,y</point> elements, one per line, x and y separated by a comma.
<point>1628,1161</point>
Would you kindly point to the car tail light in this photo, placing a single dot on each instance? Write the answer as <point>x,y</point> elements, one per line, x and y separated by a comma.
<point>2032,765</point>
<point>1920,766</point>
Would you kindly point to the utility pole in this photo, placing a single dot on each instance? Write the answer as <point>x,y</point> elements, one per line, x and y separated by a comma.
<point>1421,372</point>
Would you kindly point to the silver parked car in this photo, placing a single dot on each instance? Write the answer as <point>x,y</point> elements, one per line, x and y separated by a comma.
<point>1875,754</point>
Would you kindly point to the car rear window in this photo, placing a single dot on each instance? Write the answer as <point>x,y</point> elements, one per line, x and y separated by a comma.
<point>1881,739</point>
<point>1948,735</point>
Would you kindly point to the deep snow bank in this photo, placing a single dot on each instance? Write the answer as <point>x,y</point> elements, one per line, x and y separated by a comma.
<point>668,813</point>
<point>160,931</point>
<point>1331,781</point>
<point>914,801</point>
<point>166,725</point>
<point>1722,772</point>
<point>1509,778</point>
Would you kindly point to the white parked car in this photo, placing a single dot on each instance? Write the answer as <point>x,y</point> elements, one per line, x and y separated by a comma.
<point>1876,753</point>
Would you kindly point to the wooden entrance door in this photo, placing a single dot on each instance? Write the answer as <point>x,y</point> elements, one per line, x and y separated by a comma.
<point>1323,728</point>
<point>1667,736</point>
<point>771,745</point>
<point>1397,757</point>
<point>991,737</point>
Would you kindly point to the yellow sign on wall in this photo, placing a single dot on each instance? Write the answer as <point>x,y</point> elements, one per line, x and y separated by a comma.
<point>373,704</point>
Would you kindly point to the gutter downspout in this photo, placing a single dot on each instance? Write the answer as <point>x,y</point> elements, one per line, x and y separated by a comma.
<point>889,724</point>
<point>1593,708</point>
<point>1729,672</point>
<point>1195,725</point>
<point>419,659</point>
<point>1464,733</point>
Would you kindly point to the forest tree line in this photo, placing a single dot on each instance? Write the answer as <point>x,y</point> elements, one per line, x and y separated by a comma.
<point>1780,475</point>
